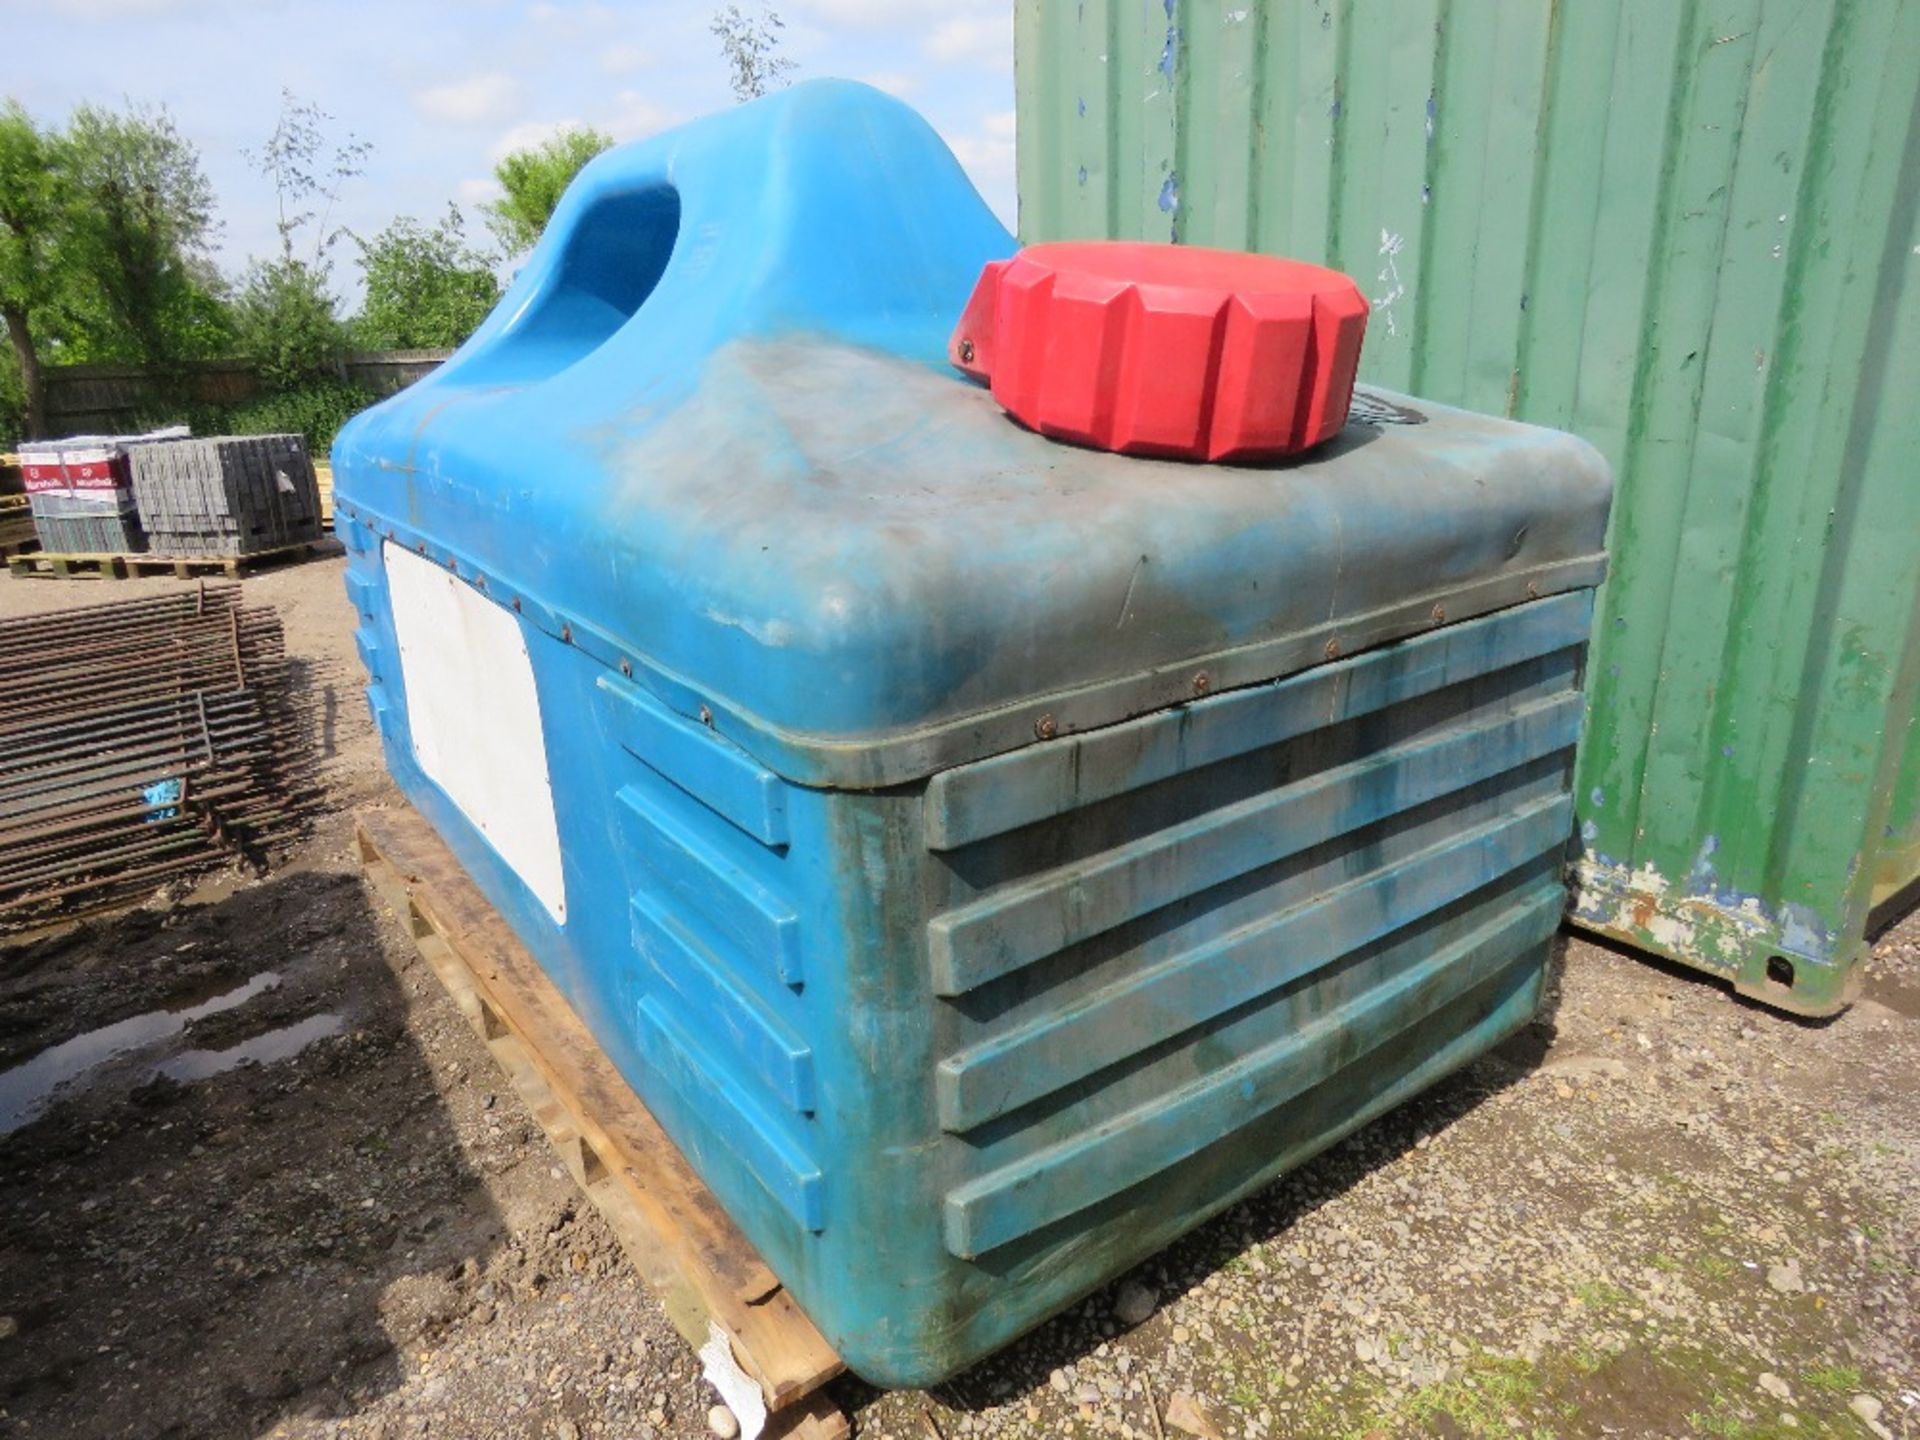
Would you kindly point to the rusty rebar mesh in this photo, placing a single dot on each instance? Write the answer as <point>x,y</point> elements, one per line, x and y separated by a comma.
<point>140,742</point>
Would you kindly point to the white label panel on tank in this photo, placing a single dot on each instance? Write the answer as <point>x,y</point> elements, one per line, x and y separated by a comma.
<point>475,716</point>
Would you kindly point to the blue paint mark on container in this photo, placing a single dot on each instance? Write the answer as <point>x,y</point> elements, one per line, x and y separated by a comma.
<point>1804,932</point>
<point>1083,106</point>
<point>1702,877</point>
<point>1598,798</point>
<point>1083,174</point>
<point>1170,51</point>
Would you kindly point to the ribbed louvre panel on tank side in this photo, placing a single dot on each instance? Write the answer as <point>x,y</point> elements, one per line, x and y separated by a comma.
<point>1268,876</point>
<point>717,931</point>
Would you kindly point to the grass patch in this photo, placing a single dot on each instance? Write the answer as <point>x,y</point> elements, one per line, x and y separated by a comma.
<point>1487,1400</point>
<point>1833,1379</point>
<point>1718,1423</point>
<point>1599,1295</point>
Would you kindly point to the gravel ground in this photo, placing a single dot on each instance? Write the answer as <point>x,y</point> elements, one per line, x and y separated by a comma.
<point>1660,1211</point>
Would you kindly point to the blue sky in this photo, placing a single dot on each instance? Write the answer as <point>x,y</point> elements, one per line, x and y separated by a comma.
<point>442,90</point>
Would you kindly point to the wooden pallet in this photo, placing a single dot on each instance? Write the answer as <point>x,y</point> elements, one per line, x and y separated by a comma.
<point>46,564</point>
<point>185,567</point>
<point>692,1256</point>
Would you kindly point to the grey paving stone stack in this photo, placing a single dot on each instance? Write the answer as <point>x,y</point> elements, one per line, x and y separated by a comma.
<point>226,494</point>
<point>87,525</point>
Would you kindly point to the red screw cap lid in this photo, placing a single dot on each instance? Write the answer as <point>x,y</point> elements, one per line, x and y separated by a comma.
<point>1168,350</point>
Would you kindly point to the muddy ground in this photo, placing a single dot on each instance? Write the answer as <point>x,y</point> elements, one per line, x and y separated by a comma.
<point>296,1199</point>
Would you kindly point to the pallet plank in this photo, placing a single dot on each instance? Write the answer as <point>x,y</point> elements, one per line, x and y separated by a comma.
<point>61,565</point>
<point>691,1254</point>
<point>44,564</point>
<point>185,567</point>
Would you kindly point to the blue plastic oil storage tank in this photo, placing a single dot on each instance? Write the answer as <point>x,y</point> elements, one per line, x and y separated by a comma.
<point>841,749</point>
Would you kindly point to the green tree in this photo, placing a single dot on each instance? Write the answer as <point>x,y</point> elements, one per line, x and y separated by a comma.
<point>751,44</point>
<point>425,287</point>
<point>31,212</point>
<point>534,180</point>
<point>286,318</point>
<point>13,402</point>
<point>308,173</point>
<point>286,323</point>
<point>137,228</point>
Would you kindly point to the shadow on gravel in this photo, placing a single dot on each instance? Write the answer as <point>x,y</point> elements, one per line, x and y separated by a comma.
<point>1188,1263</point>
<point>240,1195</point>
<point>319,684</point>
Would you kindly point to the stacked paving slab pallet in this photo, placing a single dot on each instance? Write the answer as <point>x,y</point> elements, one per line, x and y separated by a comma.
<point>82,500</point>
<point>226,495</point>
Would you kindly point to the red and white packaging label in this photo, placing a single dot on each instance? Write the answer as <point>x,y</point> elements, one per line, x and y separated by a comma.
<point>78,470</point>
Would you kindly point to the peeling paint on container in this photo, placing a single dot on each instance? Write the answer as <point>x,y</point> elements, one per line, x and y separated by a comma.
<point>1685,232</point>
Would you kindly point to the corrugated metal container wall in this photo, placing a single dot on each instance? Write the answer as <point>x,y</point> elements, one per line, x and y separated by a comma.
<point>1684,231</point>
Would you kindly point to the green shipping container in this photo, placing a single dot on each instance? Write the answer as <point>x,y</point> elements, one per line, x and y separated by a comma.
<point>1684,229</point>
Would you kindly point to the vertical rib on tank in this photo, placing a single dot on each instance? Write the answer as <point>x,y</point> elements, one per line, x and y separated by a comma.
<point>987,858</point>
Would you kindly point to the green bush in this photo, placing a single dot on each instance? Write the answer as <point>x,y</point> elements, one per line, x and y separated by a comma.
<point>284,322</point>
<point>316,410</point>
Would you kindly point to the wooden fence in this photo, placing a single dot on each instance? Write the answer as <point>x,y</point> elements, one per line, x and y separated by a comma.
<point>105,399</point>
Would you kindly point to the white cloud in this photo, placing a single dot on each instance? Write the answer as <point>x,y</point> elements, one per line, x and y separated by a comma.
<point>894,82</point>
<point>124,9</point>
<point>974,39</point>
<point>478,191</point>
<point>988,151</point>
<point>888,14</point>
<point>474,101</point>
<point>529,133</point>
<point>621,59</point>
<point>632,116</point>
<point>572,19</point>
<point>636,115</point>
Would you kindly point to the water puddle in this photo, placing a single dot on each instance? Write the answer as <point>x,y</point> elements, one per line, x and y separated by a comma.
<point>282,1044</point>
<point>28,1088</point>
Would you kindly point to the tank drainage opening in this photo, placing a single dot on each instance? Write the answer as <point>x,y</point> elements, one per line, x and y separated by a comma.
<point>1780,970</point>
